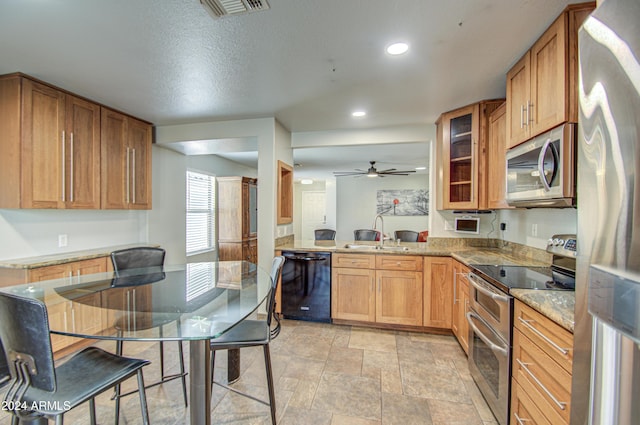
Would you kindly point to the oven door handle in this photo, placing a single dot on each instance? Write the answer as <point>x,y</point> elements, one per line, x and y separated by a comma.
<point>492,345</point>
<point>490,294</point>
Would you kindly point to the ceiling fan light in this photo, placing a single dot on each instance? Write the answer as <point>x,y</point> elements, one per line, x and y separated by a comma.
<point>397,48</point>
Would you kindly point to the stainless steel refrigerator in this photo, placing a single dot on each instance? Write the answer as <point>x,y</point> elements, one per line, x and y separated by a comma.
<point>606,370</point>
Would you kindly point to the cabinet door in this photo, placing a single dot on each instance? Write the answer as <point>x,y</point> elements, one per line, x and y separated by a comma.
<point>549,79</point>
<point>139,144</point>
<point>115,156</point>
<point>49,272</point>
<point>518,99</point>
<point>460,156</point>
<point>463,307</point>
<point>399,297</point>
<point>438,292</point>
<point>496,160</point>
<point>95,265</point>
<point>353,295</point>
<point>43,159</point>
<point>82,154</point>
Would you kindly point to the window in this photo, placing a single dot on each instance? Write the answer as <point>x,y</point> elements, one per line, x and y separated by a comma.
<point>200,213</point>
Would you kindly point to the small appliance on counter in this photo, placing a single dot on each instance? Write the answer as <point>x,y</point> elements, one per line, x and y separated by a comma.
<point>306,286</point>
<point>490,316</point>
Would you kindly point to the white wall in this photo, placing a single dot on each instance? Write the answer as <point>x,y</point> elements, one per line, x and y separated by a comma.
<point>549,221</point>
<point>28,233</point>
<point>356,199</point>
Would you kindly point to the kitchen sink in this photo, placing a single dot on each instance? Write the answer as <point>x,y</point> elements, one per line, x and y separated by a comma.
<point>375,247</point>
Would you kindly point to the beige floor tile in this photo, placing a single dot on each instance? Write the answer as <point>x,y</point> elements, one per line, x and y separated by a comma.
<point>352,420</point>
<point>452,413</point>
<point>398,409</point>
<point>390,380</point>
<point>344,360</point>
<point>368,339</point>
<point>348,395</point>
<point>433,382</point>
<point>297,416</point>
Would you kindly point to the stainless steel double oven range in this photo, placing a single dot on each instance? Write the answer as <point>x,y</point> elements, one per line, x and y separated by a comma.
<point>490,316</point>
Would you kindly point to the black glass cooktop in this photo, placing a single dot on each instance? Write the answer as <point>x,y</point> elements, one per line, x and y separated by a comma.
<point>524,277</point>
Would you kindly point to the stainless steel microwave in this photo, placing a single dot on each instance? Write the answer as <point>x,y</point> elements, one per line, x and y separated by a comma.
<point>541,171</point>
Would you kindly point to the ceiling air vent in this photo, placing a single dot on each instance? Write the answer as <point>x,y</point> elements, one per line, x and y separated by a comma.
<point>233,7</point>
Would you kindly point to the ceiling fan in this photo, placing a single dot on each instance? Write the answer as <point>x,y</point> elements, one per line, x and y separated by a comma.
<point>372,172</point>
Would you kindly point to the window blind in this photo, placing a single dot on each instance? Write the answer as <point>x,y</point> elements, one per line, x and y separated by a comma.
<point>200,212</point>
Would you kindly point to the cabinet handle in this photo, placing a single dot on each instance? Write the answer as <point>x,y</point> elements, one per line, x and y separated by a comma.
<point>71,167</point>
<point>73,319</point>
<point>134,311</point>
<point>521,116</point>
<point>532,328</point>
<point>133,161</point>
<point>529,114</point>
<point>64,171</point>
<point>65,320</point>
<point>520,420</point>
<point>455,284</point>
<point>560,404</point>
<point>128,176</point>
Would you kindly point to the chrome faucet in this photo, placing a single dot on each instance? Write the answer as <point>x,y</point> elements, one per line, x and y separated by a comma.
<point>375,221</point>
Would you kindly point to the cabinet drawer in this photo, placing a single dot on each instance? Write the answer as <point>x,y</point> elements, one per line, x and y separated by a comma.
<point>553,339</point>
<point>353,261</point>
<point>542,379</point>
<point>399,262</point>
<point>523,410</point>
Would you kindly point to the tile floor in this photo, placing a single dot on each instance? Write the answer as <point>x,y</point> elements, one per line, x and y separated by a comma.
<point>324,374</point>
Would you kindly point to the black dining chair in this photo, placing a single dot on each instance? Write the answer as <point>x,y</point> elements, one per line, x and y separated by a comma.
<point>365,235</point>
<point>149,261</point>
<point>406,235</point>
<point>44,389</point>
<point>4,367</point>
<point>324,234</point>
<point>255,333</point>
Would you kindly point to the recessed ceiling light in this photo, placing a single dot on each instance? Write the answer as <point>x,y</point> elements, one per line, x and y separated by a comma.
<point>306,181</point>
<point>421,168</point>
<point>397,48</point>
<point>359,114</point>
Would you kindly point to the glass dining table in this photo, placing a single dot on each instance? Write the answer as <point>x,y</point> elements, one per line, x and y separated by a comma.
<point>194,302</point>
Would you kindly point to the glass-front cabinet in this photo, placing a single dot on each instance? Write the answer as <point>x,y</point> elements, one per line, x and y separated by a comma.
<point>462,147</point>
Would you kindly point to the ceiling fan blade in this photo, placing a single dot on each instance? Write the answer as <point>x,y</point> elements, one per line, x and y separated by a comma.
<point>386,171</point>
<point>348,173</point>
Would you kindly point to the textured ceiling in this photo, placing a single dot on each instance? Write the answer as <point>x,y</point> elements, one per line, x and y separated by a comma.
<point>309,63</point>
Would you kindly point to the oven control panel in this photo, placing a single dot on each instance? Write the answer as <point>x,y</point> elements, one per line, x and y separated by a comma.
<point>564,245</point>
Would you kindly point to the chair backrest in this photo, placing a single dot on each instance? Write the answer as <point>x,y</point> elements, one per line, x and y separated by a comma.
<point>276,269</point>
<point>365,235</point>
<point>24,331</point>
<point>324,234</point>
<point>135,258</point>
<point>4,367</point>
<point>406,235</point>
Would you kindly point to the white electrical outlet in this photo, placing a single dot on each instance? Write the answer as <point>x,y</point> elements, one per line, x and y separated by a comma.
<point>534,230</point>
<point>62,241</point>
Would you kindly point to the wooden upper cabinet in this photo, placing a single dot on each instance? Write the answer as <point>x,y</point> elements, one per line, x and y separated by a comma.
<point>542,85</point>
<point>54,154</point>
<point>126,162</point>
<point>51,147</point>
<point>496,159</point>
<point>463,136</point>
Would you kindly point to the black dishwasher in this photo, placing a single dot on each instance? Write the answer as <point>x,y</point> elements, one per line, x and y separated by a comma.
<point>306,286</point>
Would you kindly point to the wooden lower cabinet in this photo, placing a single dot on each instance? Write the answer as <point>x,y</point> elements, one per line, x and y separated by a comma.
<point>68,315</point>
<point>381,289</point>
<point>541,369</point>
<point>438,292</point>
<point>353,294</point>
<point>459,323</point>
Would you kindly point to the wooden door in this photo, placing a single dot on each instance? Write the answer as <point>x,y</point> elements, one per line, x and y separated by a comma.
<point>549,79</point>
<point>114,177</point>
<point>495,183</point>
<point>438,292</point>
<point>43,140</point>
<point>518,99</point>
<point>82,154</point>
<point>399,297</point>
<point>352,294</point>
<point>463,307</point>
<point>139,142</point>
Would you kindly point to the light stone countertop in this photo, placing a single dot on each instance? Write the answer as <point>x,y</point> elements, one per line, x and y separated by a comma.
<point>64,257</point>
<point>556,305</point>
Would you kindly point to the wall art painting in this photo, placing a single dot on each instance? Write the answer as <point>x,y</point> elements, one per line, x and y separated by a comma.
<point>403,202</point>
